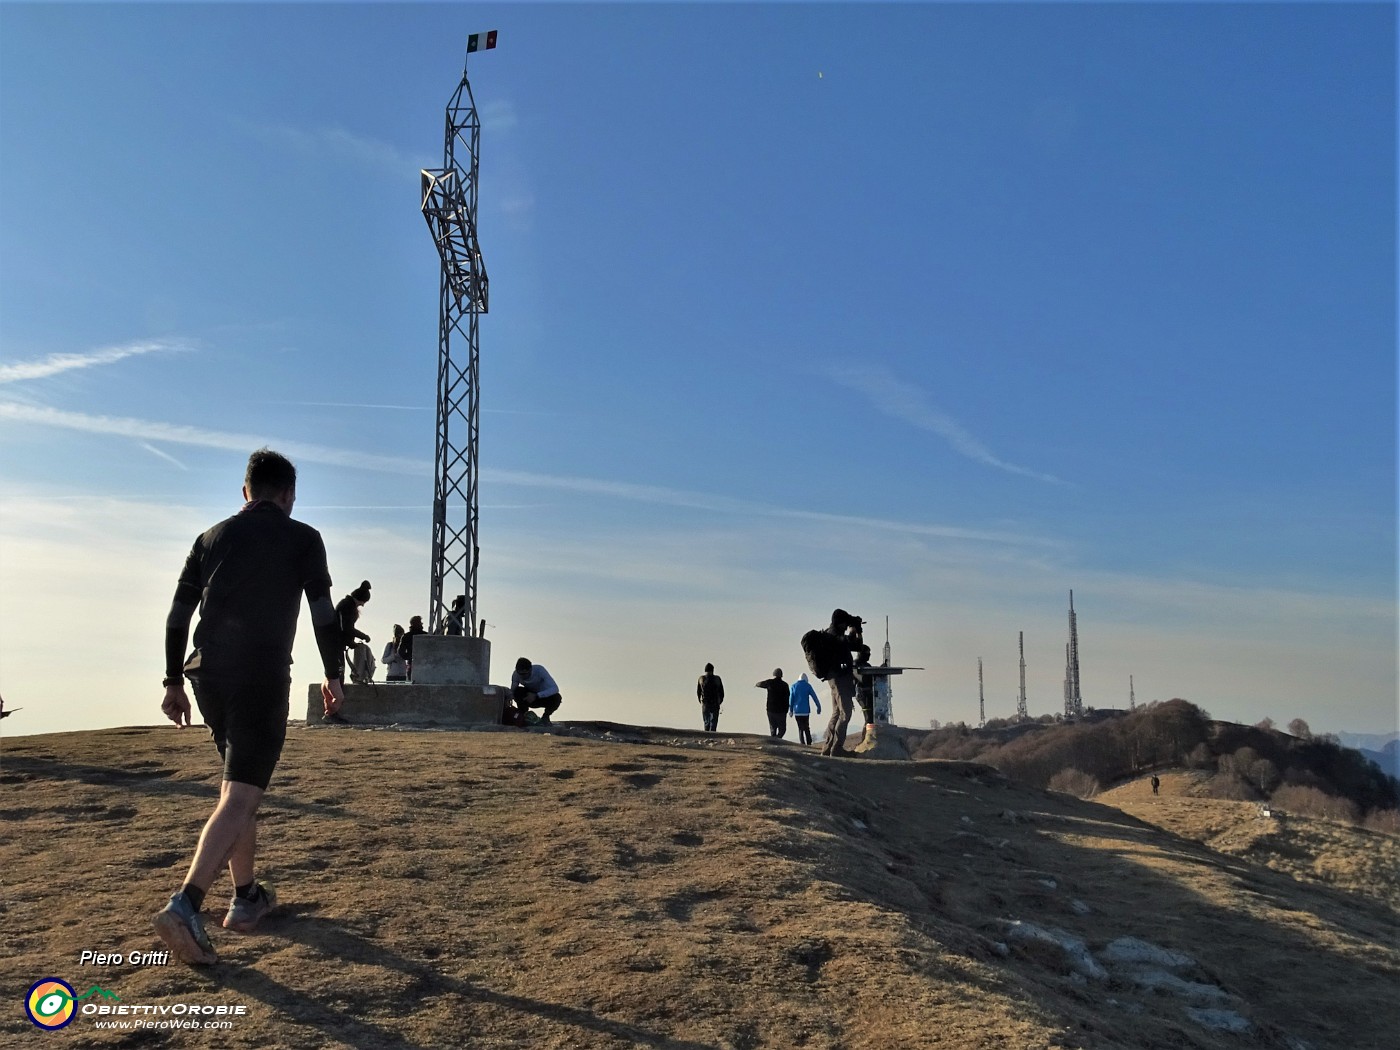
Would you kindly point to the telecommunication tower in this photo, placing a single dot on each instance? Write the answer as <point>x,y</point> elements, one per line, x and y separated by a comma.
<point>1074,701</point>
<point>1132,695</point>
<point>449,204</point>
<point>981,697</point>
<point>1021,714</point>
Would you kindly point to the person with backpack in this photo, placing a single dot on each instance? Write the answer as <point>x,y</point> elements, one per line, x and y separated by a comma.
<point>777,704</point>
<point>801,697</point>
<point>709,690</point>
<point>829,655</point>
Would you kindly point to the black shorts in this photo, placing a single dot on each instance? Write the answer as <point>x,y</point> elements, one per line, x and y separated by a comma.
<point>248,719</point>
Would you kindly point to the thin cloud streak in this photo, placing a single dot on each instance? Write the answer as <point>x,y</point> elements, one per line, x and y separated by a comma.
<point>172,433</point>
<point>901,401</point>
<point>56,364</point>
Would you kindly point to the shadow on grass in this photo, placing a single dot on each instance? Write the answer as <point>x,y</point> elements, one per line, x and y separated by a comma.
<point>338,942</point>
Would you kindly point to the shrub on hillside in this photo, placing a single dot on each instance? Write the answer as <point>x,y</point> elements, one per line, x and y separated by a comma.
<point>1314,802</point>
<point>1387,820</point>
<point>1074,782</point>
<point>1229,784</point>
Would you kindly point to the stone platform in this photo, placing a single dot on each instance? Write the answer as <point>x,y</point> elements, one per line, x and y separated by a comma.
<point>382,704</point>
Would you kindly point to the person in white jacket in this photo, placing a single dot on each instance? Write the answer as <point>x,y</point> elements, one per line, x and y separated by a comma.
<point>395,669</point>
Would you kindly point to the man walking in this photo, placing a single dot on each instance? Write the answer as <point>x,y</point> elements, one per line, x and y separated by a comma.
<point>776,703</point>
<point>246,576</point>
<point>709,690</point>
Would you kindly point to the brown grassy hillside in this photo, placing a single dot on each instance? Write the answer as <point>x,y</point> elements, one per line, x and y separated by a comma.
<point>613,887</point>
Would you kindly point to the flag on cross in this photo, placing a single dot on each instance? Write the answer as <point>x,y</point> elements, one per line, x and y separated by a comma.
<point>481,41</point>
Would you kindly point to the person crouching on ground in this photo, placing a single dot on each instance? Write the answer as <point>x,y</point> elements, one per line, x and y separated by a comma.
<point>531,686</point>
<point>777,703</point>
<point>246,576</point>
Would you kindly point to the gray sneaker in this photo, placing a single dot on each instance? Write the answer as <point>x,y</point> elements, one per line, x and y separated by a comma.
<point>243,915</point>
<point>182,930</point>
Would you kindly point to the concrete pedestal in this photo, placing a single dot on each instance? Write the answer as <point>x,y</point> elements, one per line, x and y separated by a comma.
<point>380,704</point>
<point>445,660</point>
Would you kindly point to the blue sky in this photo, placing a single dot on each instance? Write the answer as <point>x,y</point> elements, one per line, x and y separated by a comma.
<point>928,311</point>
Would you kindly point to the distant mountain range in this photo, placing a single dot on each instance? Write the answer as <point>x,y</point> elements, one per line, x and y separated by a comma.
<point>1381,748</point>
<point>1368,741</point>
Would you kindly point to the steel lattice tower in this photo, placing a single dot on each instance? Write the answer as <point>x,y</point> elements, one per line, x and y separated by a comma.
<point>1074,700</point>
<point>1021,714</point>
<point>450,207</point>
<point>981,697</point>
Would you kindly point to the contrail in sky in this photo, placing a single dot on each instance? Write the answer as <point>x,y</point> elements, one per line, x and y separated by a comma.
<point>56,363</point>
<point>908,403</point>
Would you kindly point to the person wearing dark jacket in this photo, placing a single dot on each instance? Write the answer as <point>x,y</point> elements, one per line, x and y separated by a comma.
<point>245,577</point>
<point>415,628</point>
<point>709,690</point>
<point>845,641</point>
<point>347,613</point>
<point>777,702</point>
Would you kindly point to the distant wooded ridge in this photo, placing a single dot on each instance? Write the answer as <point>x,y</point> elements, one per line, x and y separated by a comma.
<point>1295,770</point>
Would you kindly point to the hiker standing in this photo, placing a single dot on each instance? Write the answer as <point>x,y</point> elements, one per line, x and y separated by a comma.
<point>415,628</point>
<point>246,576</point>
<point>777,703</point>
<point>829,651</point>
<point>800,698</point>
<point>395,667</point>
<point>709,690</point>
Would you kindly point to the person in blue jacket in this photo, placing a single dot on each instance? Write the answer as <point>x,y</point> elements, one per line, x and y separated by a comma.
<point>800,698</point>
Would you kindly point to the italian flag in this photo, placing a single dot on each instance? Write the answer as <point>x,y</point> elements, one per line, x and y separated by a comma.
<point>481,41</point>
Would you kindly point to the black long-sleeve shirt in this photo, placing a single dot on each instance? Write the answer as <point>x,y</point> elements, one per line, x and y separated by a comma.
<point>247,575</point>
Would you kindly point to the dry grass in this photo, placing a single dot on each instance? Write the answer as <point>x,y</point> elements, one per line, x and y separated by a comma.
<point>661,888</point>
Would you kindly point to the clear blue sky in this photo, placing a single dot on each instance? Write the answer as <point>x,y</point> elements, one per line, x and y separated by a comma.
<point>929,311</point>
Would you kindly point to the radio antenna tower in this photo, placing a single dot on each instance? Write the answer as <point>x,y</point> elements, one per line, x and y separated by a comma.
<point>449,206</point>
<point>1021,714</point>
<point>1132,696</point>
<point>981,697</point>
<point>1074,701</point>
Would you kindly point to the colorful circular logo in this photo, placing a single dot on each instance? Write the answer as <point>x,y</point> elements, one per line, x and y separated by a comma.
<point>50,1003</point>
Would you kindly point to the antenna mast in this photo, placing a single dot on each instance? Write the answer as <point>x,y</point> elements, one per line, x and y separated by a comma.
<point>1021,714</point>
<point>981,697</point>
<point>1074,701</point>
<point>449,204</point>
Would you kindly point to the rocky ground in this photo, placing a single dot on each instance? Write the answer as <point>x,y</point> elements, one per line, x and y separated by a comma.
<point>612,886</point>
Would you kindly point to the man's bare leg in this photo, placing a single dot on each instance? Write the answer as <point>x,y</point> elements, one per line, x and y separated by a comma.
<point>229,837</point>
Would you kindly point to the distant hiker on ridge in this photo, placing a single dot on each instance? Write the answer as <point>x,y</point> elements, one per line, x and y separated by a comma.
<point>800,698</point>
<point>246,576</point>
<point>709,690</point>
<point>777,703</point>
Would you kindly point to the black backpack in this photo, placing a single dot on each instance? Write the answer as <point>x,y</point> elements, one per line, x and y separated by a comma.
<point>824,653</point>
